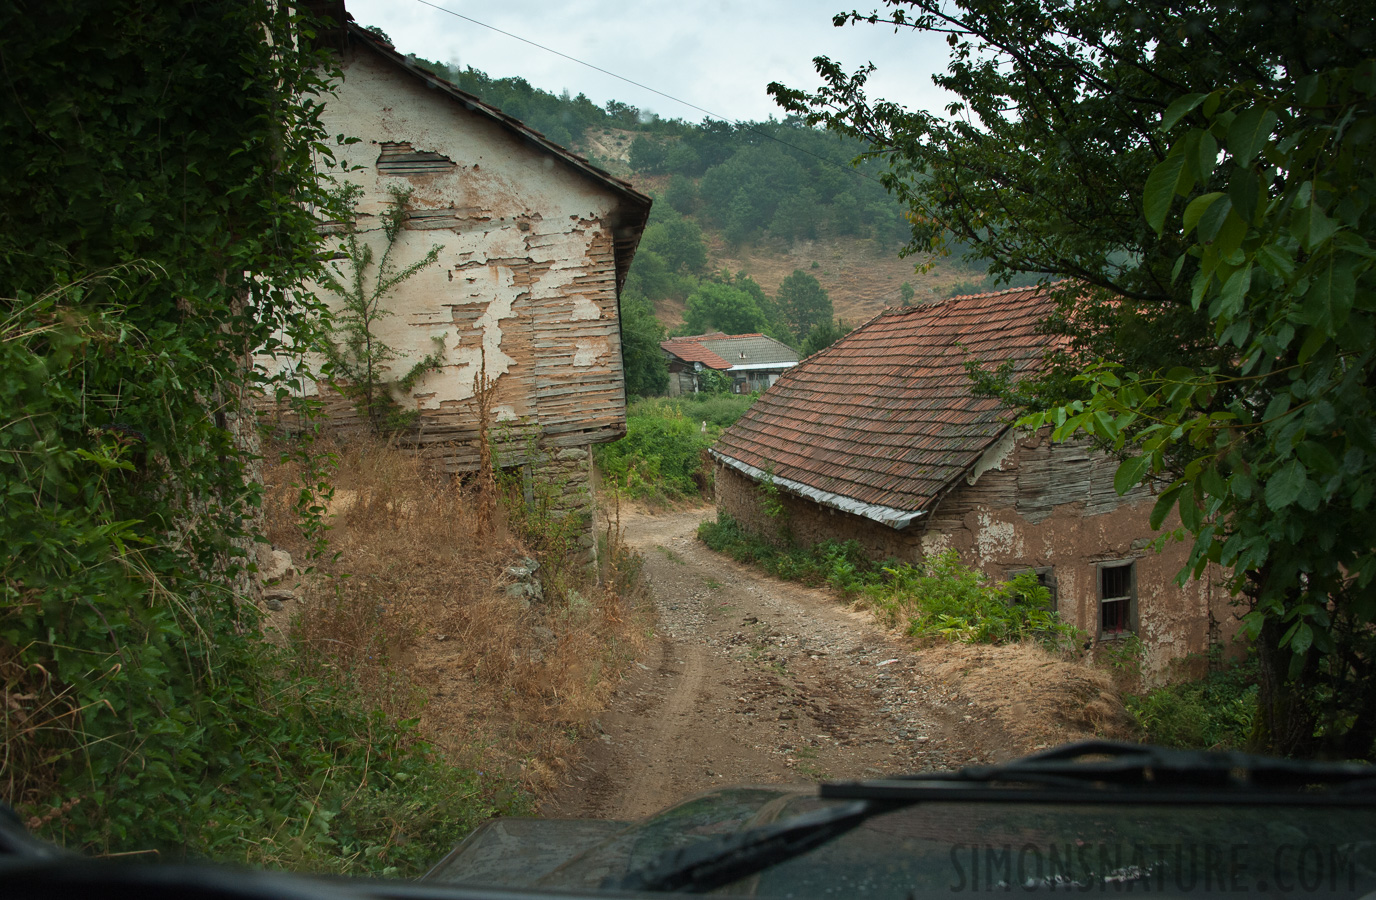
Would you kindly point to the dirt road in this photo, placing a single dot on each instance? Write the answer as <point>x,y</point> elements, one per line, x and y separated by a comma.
<point>754,680</point>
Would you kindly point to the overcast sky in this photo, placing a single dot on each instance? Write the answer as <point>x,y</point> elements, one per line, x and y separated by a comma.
<point>714,54</point>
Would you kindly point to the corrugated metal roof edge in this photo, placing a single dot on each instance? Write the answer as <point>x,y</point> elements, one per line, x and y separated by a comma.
<point>897,519</point>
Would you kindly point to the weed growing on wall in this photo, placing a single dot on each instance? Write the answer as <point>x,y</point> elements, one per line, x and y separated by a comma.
<point>360,361</point>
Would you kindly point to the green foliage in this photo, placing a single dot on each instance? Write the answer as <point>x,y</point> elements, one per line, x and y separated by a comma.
<point>646,370</point>
<point>681,195</point>
<point>1202,174</point>
<point>941,597</point>
<point>803,304</point>
<point>147,713</point>
<point>661,457</point>
<point>906,292</point>
<point>823,336</point>
<point>647,155</point>
<point>1218,712</point>
<point>1271,463</point>
<point>719,411</point>
<point>720,307</point>
<point>843,566</point>
<point>360,361</point>
<point>560,117</point>
<point>678,241</point>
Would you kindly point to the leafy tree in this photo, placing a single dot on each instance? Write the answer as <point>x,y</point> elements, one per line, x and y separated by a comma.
<point>907,292</point>
<point>681,159</point>
<point>678,241</point>
<point>360,360</point>
<point>647,372</point>
<point>823,336</point>
<point>796,216</point>
<point>721,307</point>
<point>177,136</point>
<point>803,303</point>
<point>647,155</point>
<point>681,196</point>
<point>1235,332</point>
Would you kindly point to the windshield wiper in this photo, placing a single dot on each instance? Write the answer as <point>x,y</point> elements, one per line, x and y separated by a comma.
<point>1122,770</point>
<point>1112,772</point>
<point>711,864</point>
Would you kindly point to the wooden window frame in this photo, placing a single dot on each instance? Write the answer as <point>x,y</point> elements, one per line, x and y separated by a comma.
<point>1131,597</point>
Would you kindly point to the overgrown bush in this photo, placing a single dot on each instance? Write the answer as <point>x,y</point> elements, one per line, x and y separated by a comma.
<point>942,597</point>
<point>843,566</point>
<point>1215,712</point>
<point>661,457</point>
<point>939,597</point>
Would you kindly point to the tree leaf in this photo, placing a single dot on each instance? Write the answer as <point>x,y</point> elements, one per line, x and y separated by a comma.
<point>1197,207</point>
<point>1285,485</point>
<point>1179,108</point>
<point>1302,638</point>
<point>1331,294</point>
<point>1160,189</point>
<point>1212,217</point>
<point>1249,132</point>
<point>1130,471</point>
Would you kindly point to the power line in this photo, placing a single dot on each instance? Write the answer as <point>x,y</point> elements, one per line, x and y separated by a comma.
<point>646,87</point>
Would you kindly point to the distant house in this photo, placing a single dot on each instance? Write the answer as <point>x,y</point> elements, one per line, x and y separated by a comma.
<point>753,361</point>
<point>535,243</point>
<point>879,439</point>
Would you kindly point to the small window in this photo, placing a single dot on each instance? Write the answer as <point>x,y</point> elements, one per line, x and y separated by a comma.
<point>1117,596</point>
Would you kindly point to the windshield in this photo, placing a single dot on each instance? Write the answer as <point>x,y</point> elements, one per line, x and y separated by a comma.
<point>410,467</point>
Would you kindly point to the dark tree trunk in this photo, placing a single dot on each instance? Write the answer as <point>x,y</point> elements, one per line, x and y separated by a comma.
<point>1287,721</point>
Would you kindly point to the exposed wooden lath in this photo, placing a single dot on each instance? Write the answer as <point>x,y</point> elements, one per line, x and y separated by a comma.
<point>401,158</point>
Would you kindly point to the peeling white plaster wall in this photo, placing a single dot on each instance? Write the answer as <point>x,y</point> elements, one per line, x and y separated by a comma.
<point>514,210</point>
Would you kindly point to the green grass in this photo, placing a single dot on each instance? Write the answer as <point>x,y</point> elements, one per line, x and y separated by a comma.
<point>1215,712</point>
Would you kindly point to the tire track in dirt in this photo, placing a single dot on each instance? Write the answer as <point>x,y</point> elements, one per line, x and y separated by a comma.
<point>659,751</point>
<point>755,680</point>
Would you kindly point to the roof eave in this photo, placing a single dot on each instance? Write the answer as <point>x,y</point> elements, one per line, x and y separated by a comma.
<point>897,519</point>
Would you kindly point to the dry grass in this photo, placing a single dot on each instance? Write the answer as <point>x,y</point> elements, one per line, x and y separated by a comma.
<point>1041,698</point>
<point>414,609</point>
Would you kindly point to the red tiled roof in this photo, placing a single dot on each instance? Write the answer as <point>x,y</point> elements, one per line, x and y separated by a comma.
<point>885,415</point>
<point>691,350</point>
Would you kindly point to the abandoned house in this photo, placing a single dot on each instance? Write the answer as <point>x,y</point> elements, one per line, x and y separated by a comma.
<point>879,439</point>
<point>533,245</point>
<point>752,361</point>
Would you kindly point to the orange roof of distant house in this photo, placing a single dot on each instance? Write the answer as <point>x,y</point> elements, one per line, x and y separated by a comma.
<point>883,421</point>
